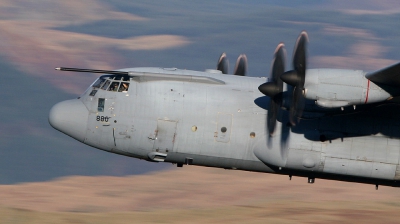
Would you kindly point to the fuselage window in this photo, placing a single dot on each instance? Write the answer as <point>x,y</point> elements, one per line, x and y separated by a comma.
<point>93,92</point>
<point>111,83</point>
<point>124,87</point>
<point>100,105</point>
<point>105,86</point>
<point>98,83</point>
<point>114,87</point>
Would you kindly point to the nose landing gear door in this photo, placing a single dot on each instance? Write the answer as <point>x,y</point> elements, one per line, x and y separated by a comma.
<point>165,137</point>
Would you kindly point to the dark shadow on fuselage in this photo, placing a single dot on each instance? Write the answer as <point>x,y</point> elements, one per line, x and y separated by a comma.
<point>365,120</point>
<point>262,102</point>
<point>283,133</point>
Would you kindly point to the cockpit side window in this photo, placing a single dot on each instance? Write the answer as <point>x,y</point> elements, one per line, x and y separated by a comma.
<point>124,87</point>
<point>93,92</point>
<point>99,82</point>
<point>114,86</point>
<point>113,83</point>
<point>105,86</point>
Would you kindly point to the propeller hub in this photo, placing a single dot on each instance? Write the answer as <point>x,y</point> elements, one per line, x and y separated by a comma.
<point>291,77</point>
<point>269,89</point>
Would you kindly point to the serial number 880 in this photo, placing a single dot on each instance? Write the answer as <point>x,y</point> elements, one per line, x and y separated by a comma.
<point>102,118</point>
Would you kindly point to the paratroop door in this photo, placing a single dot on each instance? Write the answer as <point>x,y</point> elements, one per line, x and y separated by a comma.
<point>165,137</point>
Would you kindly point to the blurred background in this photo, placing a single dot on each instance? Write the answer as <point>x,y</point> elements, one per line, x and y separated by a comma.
<point>37,36</point>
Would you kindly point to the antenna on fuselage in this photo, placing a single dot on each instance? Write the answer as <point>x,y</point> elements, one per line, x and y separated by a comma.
<point>92,71</point>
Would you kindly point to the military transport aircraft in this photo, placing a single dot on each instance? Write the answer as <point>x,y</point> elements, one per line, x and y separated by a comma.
<point>317,123</point>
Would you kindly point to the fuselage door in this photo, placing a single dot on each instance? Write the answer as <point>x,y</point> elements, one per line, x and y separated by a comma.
<point>105,125</point>
<point>165,137</point>
<point>101,126</point>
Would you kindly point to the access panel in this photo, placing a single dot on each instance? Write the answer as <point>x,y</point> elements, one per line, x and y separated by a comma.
<point>165,137</point>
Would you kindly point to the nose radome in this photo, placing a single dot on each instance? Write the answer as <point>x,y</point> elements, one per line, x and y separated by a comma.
<point>70,117</point>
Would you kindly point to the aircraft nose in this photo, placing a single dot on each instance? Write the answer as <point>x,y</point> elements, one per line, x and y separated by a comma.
<point>70,117</point>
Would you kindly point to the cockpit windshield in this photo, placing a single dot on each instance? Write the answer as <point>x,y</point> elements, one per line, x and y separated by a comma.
<point>113,83</point>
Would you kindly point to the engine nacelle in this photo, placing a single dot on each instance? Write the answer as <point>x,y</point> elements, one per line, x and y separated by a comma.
<point>331,88</point>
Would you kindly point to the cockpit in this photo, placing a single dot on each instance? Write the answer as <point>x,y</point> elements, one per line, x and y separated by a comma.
<point>113,83</point>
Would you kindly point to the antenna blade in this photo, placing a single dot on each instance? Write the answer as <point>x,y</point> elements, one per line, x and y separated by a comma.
<point>92,71</point>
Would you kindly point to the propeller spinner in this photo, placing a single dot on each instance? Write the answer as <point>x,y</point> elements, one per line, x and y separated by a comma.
<point>274,87</point>
<point>296,77</point>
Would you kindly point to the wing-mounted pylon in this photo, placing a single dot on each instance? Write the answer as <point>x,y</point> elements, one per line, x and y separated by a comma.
<point>274,88</point>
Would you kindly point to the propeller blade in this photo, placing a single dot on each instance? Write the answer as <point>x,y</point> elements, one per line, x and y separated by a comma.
<point>274,87</point>
<point>278,65</point>
<point>300,57</point>
<point>223,63</point>
<point>241,65</point>
<point>275,84</point>
<point>285,135</point>
<point>273,110</point>
<point>296,77</point>
<point>297,106</point>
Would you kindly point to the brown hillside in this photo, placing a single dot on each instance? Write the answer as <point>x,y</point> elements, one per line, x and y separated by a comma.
<point>190,190</point>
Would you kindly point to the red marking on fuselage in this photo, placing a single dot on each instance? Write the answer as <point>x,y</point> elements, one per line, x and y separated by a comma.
<point>366,97</point>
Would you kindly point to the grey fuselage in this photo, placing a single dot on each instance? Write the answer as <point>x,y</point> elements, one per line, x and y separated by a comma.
<point>221,122</point>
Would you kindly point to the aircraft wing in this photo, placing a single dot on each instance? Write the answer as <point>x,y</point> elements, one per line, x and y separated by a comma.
<point>388,76</point>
